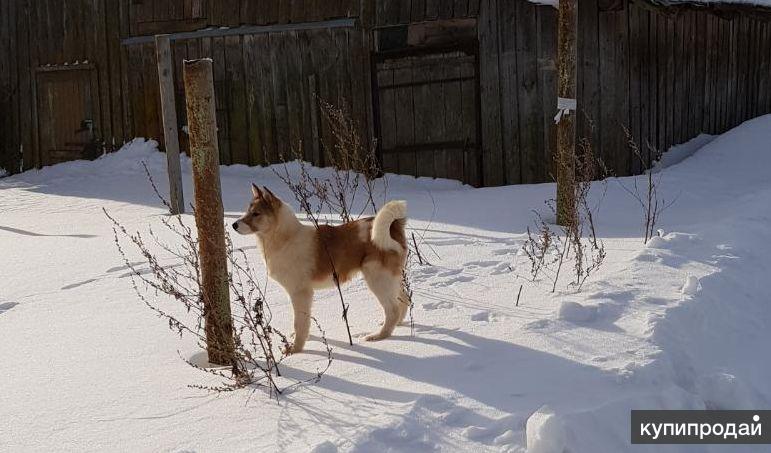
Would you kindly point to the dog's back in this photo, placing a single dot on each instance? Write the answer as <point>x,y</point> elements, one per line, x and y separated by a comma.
<point>345,249</point>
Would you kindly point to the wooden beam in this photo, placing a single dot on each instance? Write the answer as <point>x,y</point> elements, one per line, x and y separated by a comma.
<point>169,115</point>
<point>246,30</point>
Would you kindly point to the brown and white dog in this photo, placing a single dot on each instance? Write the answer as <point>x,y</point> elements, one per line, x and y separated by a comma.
<point>301,258</point>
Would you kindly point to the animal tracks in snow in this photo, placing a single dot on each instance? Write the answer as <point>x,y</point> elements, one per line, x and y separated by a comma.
<point>5,306</point>
<point>441,277</point>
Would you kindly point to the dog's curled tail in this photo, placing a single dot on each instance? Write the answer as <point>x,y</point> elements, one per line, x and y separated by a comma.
<point>393,211</point>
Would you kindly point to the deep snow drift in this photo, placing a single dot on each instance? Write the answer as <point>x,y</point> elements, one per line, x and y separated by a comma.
<point>682,322</point>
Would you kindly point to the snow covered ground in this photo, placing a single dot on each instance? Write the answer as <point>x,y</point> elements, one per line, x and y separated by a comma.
<point>682,322</point>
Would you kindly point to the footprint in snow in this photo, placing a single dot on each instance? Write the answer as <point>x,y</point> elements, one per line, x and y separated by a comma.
<point>438,305</point>
<point>481,263</point>
<point>482,316</point>
<point>501,268</point>
<point>451,281</point>
<point>450,272</point>
<point>5,306</point>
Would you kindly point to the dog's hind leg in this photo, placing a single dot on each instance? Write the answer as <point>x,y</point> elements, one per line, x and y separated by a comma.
<point>385,286</point>
<point>301,304</point>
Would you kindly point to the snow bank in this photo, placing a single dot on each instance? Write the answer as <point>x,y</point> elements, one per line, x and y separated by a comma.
<point>679,323</point>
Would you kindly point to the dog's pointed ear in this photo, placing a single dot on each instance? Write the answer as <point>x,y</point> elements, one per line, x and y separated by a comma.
<point>269,194</point>
<point>256,191</point>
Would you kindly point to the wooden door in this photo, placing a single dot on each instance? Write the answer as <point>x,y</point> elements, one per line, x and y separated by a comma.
<point>427,114</point>
<point>66,115</point>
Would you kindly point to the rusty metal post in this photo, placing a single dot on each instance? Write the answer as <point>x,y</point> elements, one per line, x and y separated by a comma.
<point>209,213</point>
<point>566,116</point>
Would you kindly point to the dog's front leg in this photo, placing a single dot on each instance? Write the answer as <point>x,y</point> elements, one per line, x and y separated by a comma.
<point>301,304</point>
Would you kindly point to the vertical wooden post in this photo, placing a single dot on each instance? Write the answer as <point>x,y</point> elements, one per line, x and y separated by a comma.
<point>169,112</point>
<point>209,213</point>
<point>313,85</point>
<point>566,117</point>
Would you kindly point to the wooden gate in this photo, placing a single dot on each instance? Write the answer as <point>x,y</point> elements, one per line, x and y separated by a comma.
<point>66,109</point>
<point>427,112</point>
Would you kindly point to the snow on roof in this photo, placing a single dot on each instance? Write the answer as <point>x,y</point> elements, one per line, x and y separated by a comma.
<point>760,3</point>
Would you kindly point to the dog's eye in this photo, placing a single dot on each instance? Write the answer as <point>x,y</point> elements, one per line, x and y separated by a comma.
<point>256,214</point>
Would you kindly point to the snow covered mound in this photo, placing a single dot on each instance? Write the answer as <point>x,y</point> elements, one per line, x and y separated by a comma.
<point>679,323</point>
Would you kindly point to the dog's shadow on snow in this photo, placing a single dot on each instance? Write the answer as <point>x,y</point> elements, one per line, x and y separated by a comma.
<point>499,374</point>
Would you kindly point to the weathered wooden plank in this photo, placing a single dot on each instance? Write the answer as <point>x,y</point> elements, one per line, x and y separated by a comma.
<point>678,80</point>
<point>26,93</point>
<point>418,10</point>
<point>453,127</point>
<point>490,93</point>
<point>423,96</point>
<point>460,9</point>
<point>278,48</point>
<point>151,95</point>
<point>473,7</point>
<point>360,78</point>
<point>669,85</point>
<point>402,114</point>
<point>387,117</point>
<point>510,91</point>
<point>588,124</point>
<point>315,120</point>
<point>752,66</point>
<point>295,84</point>
<point>608,121</point>
<point>8,156</point>
<point>529,98</point>
<point>647,92</point>
<point>742,69</point>
<point>445,9</point>
<point>253,94</point>
<point>222,98</point>
<point>709,74</point>
<point>435,109</point>
<point>266,119</point>
<point>237,105</point>
<point>662,81</point>
<point>637,48</point>
<point>699,47</point>
<point>547,83</point>
<point>432,9</point>
<point>169,114</point>
<point>472,162</point>
<point>114,70</point>
<point>306,96</point>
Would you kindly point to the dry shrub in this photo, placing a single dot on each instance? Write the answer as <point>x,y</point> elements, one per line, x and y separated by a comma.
<point>648,197</point>
<point>172,289</point>
<point>549,247</point>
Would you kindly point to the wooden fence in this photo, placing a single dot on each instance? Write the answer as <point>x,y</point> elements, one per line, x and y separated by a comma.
<point>667,74</point>
<point>79,77</point>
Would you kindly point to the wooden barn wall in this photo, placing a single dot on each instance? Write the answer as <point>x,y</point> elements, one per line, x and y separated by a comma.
<point>266,87</point>
<point>518,45</point>
<point>666,76</point>
<point>9,99</point>
<point>396,12</point>
<point>39,35</point>
<point>148,17</point>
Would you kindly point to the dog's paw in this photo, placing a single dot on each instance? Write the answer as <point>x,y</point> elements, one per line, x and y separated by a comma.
<point>291,349</point>
<point>375,337</point>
